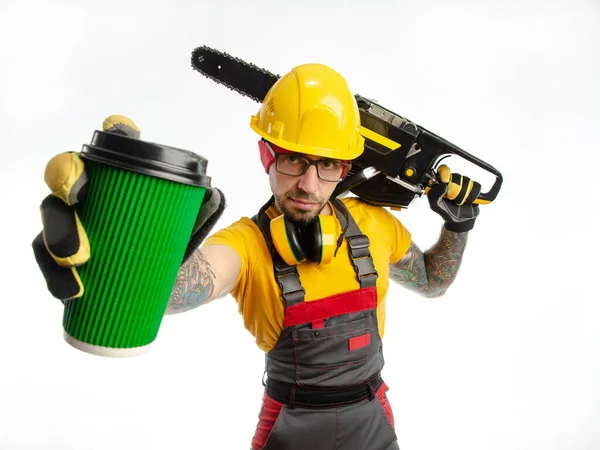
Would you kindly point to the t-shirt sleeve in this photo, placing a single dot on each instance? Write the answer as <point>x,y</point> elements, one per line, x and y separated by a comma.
<point>400,236</point>
<point>234,237</point>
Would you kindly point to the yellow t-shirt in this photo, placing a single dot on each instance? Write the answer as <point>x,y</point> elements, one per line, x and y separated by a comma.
<point>258,295</point>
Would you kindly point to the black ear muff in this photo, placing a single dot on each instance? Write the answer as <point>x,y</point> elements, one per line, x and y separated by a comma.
<point>313,241</point>
<point>296,239</point>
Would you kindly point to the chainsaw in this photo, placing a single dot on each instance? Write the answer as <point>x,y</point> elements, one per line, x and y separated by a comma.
<point>400,158</point>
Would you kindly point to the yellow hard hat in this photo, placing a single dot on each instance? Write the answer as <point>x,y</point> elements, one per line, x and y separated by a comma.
<point>311,110</point>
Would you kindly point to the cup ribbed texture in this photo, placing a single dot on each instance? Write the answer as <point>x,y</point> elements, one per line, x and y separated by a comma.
<point>138,227</point>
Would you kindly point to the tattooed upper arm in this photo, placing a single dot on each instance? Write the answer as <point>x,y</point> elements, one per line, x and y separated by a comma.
<point>410,270</point>
<point>431,273</point>
<point>210,273</point>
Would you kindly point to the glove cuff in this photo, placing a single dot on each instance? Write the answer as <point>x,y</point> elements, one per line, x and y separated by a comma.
<point>460,227</point>
<point>210,212</point>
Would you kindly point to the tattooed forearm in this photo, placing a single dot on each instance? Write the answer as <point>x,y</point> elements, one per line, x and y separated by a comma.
<point>431,273</point>
<point>195,285</point>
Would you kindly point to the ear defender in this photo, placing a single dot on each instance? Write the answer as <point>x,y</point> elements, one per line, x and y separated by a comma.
<point>267,155</point>
<point>295,245</point>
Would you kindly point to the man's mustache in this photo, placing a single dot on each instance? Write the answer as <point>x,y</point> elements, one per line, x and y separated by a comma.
<point>299,194</point>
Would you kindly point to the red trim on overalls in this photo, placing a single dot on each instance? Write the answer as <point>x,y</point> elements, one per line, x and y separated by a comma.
<point>324,308</point>
<point>268,416</point>
<point>387,408</point>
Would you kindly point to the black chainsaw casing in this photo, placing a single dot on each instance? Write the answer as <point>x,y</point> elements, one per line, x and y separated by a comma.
<point>392,171</point>
<point>406,171</point>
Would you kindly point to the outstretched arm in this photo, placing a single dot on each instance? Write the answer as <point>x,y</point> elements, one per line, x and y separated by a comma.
<point>210,273</point>
<point>431,273</point>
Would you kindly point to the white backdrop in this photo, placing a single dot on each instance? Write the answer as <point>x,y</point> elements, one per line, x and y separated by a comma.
<point>507,359</point>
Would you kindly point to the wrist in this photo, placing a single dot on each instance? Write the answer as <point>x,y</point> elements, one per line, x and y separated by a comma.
<point>460,227</point>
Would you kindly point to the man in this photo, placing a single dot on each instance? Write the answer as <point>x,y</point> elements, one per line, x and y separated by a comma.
<point>310,272</point>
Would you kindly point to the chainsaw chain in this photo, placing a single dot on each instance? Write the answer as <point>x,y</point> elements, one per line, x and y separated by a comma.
<point>232,58</point>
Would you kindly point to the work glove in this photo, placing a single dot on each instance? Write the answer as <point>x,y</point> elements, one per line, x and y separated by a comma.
<point>63,244</point>
<point>452,198</point>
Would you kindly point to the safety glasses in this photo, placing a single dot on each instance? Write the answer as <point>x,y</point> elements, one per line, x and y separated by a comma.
<point>294,165</point>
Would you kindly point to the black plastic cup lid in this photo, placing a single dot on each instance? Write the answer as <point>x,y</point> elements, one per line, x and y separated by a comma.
<point>149,158</point>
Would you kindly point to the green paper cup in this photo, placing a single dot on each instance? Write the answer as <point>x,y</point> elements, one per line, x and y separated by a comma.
<point>139,211</point>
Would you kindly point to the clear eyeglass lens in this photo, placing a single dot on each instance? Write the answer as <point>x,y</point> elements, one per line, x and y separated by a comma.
<point>294,165</point>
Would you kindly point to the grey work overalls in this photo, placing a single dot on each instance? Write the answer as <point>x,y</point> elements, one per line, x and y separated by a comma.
<point>324,389</point>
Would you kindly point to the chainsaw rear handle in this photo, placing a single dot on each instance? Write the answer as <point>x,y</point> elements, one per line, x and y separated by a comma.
<point>477,201</point>
<point>428,138</point>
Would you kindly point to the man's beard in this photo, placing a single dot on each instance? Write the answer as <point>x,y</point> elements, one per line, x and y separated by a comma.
<point>299,216</point>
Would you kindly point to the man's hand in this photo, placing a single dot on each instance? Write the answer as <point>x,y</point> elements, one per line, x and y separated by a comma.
<point>63,244</point>
<point>452,198</point>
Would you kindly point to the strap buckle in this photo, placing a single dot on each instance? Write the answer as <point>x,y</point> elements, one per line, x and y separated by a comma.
<point>264,378</point>
<point>359,246</point>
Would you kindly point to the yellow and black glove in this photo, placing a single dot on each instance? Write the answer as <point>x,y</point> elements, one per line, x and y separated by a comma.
<point>452,198</point>
<point>63,244</point>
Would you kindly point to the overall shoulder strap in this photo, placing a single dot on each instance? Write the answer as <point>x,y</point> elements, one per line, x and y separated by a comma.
<point>358,246</point>
<point>286,276</point>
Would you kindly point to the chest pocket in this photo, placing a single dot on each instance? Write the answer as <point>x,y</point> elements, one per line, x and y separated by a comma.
<point>336,354</point>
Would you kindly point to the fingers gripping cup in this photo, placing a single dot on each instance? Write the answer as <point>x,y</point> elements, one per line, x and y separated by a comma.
<point>139,211</point>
